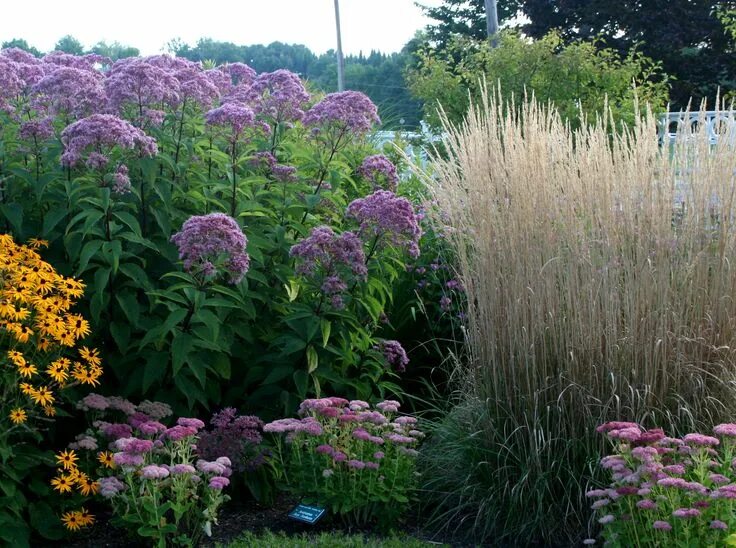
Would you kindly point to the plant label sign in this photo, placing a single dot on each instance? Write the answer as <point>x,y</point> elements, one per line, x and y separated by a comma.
<point>306,513</point>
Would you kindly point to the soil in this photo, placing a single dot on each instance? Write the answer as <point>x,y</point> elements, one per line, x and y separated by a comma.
<point>235,519</point>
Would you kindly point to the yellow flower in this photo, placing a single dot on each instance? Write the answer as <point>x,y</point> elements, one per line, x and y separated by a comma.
<point>77,325</point>
<point>18,416</point>
<point>67,459</point>
<point>56,371</point>
<point>35,243</point>
<point>105,458</point>
<point>44,343</point>
<point>72,521</point>
<point>62,483</point>
<point>42,396</point>
<point>27,370</point>
<point>86,486</point>
<point>66,338</point>
<point>6,308</point>
<point>92,356</point>
<point>86,517</point>
<point>49,410</point>
<point>71,287</point>
<point>27,388</point>
<point>16,357</point>
<point>85,376</point>
<point>22,332</point>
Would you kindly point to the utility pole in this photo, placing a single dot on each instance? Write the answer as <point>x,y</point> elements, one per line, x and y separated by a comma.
<point>340,60</point>
<point>491,21</point>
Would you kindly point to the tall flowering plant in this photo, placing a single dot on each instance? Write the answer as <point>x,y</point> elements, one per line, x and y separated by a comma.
<point>178,192</point>
<point>39,362</point>
<point>667,491</point>
<point>356,460</point>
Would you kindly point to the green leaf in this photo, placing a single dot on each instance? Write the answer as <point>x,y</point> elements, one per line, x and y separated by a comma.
<point>130,221</point>
<point>88,251</point>
<point>130,306</point>
<point>180,347</point>
<point>301,381</point>
<point>121,334</point>
<point>326,326</point>
<point>154,370</point>
<point>45,521</point>
<point>13,212</point>
<point>312,359</point>
<point>292,290</point>
<point>51,219</point>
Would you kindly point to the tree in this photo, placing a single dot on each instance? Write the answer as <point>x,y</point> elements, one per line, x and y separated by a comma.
<point>21,44</point>
<point>69,44</point>
<point>686,36</point>
<point>114,51</point>
<point>578,77</point>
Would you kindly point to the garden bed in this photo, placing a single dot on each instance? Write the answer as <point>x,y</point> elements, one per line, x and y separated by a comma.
<point>241,524</point>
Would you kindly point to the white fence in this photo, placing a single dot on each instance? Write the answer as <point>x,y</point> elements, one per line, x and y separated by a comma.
<point>716,123</point>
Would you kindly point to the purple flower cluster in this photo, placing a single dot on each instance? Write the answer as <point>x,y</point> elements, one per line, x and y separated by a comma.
<point>103,132</point>
<point>234,116</point>
<point>394,354</point>
<point>235,436</point>
<point>337,258</point>
<point>137,83</point>
<point>667,479</point>
<point>380,171</point>
<point>383,215</point>
<point>279,96</point>
<point>70,91</point>
<point>209,240</point>
<point>350,112</point>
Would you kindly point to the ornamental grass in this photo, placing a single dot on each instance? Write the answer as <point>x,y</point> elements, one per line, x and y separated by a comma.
<point>599,271</point>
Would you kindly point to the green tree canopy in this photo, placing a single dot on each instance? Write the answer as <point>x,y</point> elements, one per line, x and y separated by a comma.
<point>69,44</point>
<point>686,36</point>
<point>21,44</point>
<point>575,77</point>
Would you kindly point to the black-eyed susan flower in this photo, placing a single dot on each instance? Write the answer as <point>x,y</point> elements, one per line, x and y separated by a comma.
<point>57,372</point>
<point>86,517</point>
<point>49,410</point>
<point>67,459</point>
<point>18,416</point>
<point>71,287</point>
<point>86,485</point>
<point>35,243</point>
<point>26,388</point>
<point>105,459</point>
<point>42,396</point>
<point>91,356</point>
<point>16,357</point>
<point>62,483</point>
<point>27,370</point>
<point>85,376</point>
<point>72,521</point>
<point>77,325</point>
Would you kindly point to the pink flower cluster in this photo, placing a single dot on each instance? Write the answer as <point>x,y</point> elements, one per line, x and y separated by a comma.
<point>683,486</point>
<point>348,432</point>
<point>380,171</point>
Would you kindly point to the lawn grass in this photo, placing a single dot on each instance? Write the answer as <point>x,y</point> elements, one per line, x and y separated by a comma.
<point>268,539</point>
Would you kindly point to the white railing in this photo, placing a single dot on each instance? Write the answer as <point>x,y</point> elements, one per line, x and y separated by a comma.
<point>716,123</point>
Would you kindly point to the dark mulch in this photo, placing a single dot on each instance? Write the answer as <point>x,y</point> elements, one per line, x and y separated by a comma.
<point>235,519</point>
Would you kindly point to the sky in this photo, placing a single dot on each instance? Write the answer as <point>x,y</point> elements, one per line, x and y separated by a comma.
<point>384,25</point>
